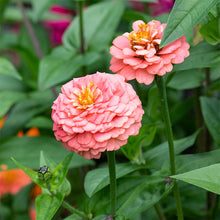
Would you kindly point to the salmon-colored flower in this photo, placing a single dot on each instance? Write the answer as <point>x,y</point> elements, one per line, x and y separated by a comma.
<point>96,113</point>
<point>12,181</point>
<point>137,54</point>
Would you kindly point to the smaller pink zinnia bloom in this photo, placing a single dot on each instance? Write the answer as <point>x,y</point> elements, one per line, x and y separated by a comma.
<point>95,113</point>
<point>137,54</point>
<point>12,181</point>
<point>161,7</point>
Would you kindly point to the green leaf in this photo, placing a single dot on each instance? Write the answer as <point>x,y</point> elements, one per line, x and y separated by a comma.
<point>157,155</point>
<point>8,98</point>
<point>202,55</point>
<point>40,6</point>
<point>40,122</point>
<point>27,150</point>
<point>47,205</point>
<point>133,149</point>
<point>194,78</point>
<point>59,173</point>
<point>31,173</point>
<point>144,196</point>
<point>11,83</point>
<point>8,69</point>
<point>21,114</point>
<point>100,21</point>
<point>210,110</point>
<point>206,178</point>
<point>3,5</point>
<point>188,162</point>
<point>211,31</point>
<point>59,182</point>
<point>184,15</point>
<point>97,179</point>
<point>62,65</point>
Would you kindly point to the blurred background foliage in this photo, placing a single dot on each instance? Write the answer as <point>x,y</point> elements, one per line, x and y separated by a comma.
<point>41,49</point>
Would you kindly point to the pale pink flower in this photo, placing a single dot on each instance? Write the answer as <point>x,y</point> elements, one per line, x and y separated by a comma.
<point>137,54</point>
<point>95,113</point>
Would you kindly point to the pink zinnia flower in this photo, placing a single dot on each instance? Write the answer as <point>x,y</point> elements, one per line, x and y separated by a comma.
<point>137,54</point>
<point>96,113</point>
<point>161,7</point>
<point>57,27</point>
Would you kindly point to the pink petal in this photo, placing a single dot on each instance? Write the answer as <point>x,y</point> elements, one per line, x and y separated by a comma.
<point>114,51</point>
<point>128,52</point>
<point>171,47</point>
<point>144,77</point>
<point>180,55</point>
<point>127,72</point>
<point>136,24</point>
<point>132,61</point>
<point>121,42</point>
<point>154,69</point>
<point>154,59</point>
<point>116,65</point>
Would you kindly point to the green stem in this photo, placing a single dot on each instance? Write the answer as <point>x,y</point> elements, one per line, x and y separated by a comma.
<point>74,210</point>
<point>159,211</point>
<point>112,176</point>
<point>165,111</point>
<point>81,35</point>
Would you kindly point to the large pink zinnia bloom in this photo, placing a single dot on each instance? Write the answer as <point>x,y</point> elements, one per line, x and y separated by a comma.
<point>96,113</point>
<point>137,54</point>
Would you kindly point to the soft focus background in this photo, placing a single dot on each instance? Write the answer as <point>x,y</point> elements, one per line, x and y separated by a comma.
<point>41,49</point>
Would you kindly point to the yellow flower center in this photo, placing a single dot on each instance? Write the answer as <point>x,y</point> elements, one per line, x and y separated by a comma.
<point>144,38</point>
<point>87,96</point>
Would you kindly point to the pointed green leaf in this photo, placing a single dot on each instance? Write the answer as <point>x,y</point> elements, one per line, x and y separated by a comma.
<point>97,179</point>
<point>100,21</point>
<point>211,31</point>
<point>59,173</point>
<point>160,153</point>
<point>31,173</point>
<point>210,111</point>
<point>184,15</point>
<point>8,98</point>
<point>202,55</point>
<point>145,196</point>
<point>8,69</point>
<point>206,178</point>
<point>27,150</point>
<point>47,205</point>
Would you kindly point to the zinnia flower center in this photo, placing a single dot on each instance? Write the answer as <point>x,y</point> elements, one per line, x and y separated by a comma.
<point>87,96</point>
<point>145,38</point>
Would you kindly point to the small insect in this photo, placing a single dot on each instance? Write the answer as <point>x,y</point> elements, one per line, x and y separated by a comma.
<point>44,173</point>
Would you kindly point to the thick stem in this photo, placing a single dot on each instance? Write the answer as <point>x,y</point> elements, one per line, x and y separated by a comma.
<point>166,115</point>
<point>159,211</point>
<point>33,38</point>
<point>81,35</point>
<point>76,211</point>
<point>112,176</point>
<point>30,31</point>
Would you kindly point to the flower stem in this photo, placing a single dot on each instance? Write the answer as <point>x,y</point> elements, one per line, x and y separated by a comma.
<point>112,176</point>
<point>165,111</point>
<point>159,211</point>
<point>76,211</point>
<point>81,35</point>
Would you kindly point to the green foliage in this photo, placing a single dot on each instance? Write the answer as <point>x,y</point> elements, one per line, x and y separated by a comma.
<point>185,15</point>
<point>47,205</point>
<point>99,178</point>
<point>211,31</point>
<point>210,110</point>
<point>205,177</point>
<point>100,21</point>
<point>8,69</point>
